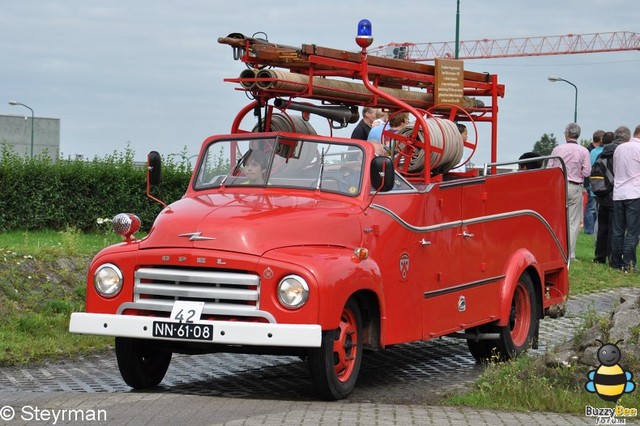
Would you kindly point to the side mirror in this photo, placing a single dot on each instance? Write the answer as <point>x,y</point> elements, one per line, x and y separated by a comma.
<point>154,166</point>
<point>382,174</point>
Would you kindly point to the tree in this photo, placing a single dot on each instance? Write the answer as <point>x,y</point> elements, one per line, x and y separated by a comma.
<point>545,145</point>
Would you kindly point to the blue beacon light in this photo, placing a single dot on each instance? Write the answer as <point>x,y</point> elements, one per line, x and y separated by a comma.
<point>365,37</point>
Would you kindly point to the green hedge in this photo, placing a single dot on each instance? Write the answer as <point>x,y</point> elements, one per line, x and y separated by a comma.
<point>37,193</point>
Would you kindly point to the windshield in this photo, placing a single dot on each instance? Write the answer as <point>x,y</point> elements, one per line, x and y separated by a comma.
<point>282,162</point>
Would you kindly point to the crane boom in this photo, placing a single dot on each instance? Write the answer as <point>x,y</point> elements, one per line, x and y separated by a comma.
<point>513,47</point>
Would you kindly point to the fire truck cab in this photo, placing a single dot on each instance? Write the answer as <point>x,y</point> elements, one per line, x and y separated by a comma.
<point>290,242</point>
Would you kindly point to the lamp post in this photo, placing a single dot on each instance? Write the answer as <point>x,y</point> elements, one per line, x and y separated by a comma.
<point>458,29</point>
<point>553,79</point>
<point>31,109</point>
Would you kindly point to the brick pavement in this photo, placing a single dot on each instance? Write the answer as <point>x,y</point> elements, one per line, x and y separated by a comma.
<point>68,399</point>
<point>159,409</point>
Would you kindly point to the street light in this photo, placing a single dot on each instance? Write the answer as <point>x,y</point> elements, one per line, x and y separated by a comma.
<point>458,30</point>
<point>553,79</point>
<point>26,106</point>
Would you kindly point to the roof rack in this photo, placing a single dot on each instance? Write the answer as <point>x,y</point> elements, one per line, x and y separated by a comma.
<point>339,77</point>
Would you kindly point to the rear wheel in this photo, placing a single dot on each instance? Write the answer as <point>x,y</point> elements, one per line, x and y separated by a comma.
<point>483,349</point>
<point>142,363</point>
<point>521,331</point>
<point>335,365</point>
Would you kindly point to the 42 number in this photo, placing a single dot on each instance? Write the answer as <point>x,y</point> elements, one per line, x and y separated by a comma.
<point>186,317</point>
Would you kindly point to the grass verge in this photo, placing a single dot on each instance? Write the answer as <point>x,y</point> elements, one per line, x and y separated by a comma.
<point>588,277</point>
<point>42,280</point>
<point>527,383</point>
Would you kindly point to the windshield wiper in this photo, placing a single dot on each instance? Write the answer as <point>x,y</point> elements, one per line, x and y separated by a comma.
<point>233,171</point>
<point>319,183</point>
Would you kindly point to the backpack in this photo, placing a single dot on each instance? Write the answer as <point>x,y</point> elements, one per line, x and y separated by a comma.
<point>602,176</point>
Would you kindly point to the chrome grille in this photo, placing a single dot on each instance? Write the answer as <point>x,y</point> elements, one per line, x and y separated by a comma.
<point>223,293</point>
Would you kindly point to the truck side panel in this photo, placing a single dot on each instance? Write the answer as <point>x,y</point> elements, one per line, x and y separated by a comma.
<point>467,238</point>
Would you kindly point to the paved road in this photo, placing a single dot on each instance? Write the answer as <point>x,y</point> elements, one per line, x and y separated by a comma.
<point>160,409</point>
<point>397,386</point>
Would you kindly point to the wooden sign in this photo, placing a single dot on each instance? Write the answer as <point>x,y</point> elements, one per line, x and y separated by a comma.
<point>449,81</point>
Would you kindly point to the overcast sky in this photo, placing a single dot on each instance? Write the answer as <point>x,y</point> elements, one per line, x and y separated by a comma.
<point>150,74</point>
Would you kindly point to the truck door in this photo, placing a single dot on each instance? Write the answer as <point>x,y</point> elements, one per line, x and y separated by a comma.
<point>457,291</point>
<point>442,257</point>
<point>473,254</point>
<point>481,272</point>
<point>396,248</point>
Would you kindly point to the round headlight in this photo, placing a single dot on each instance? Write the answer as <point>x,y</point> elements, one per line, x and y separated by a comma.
<point>108,280</point>
<point>293,292</point>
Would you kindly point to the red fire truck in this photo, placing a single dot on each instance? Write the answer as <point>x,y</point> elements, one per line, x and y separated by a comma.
<point>291,242</point>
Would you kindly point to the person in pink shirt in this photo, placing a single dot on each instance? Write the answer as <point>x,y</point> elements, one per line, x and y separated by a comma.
<point>578,166</point>
<point>626,204</point>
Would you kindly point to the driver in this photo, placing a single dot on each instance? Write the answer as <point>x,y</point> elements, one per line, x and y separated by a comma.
<point>255,168</point>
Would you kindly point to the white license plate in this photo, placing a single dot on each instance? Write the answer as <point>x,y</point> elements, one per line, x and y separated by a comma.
<point>181,330</point>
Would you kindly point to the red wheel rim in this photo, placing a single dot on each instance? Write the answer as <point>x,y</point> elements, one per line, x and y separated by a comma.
<point>520,317</point>
<point>345,349</point>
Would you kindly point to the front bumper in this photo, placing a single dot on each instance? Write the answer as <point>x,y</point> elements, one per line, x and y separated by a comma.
<point>224,332</point>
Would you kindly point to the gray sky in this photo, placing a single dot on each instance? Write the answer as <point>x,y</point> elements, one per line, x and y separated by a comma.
<point>150,74</point>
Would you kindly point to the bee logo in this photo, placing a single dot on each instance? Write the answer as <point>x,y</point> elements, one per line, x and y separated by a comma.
<point>609,381</point>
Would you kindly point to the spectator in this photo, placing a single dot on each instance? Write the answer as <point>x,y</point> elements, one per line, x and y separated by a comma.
<point>626,203</point>
<point>465,135</point>
<point>463,131</point>
<point>605,202</point>
<point>578,167</point>
<point>394,125</point>
<point>397,121</point>
<point>605,139</point>
<point>534,163</point>
<point>596,141</point>
<point>375,135</point>
<point>382,115</point>
<point>376,123</point>
<point>589,219</point>
<point>363,128</point>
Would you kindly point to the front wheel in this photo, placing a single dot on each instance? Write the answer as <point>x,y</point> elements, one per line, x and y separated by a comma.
<point>521,331</point>
<point>142,363</point>
<point>335,365</point>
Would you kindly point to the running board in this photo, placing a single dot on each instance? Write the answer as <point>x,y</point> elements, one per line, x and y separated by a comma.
<point>475,336</point>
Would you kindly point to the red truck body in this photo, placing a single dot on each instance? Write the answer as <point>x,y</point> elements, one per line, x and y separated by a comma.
<point>336,250</point>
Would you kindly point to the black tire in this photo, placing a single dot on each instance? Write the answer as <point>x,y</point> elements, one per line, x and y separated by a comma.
<point>517,336</point>
<point>142,363</point>
<point>483,350</point>
<point>335,365</point>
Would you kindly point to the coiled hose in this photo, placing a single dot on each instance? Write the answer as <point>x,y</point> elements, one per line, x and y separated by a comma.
<point>444,137</point>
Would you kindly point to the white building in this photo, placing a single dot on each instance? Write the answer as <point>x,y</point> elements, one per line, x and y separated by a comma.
<point>15,131</point>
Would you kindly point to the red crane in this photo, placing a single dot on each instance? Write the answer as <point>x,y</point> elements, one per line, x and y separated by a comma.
<point>513,47</point>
